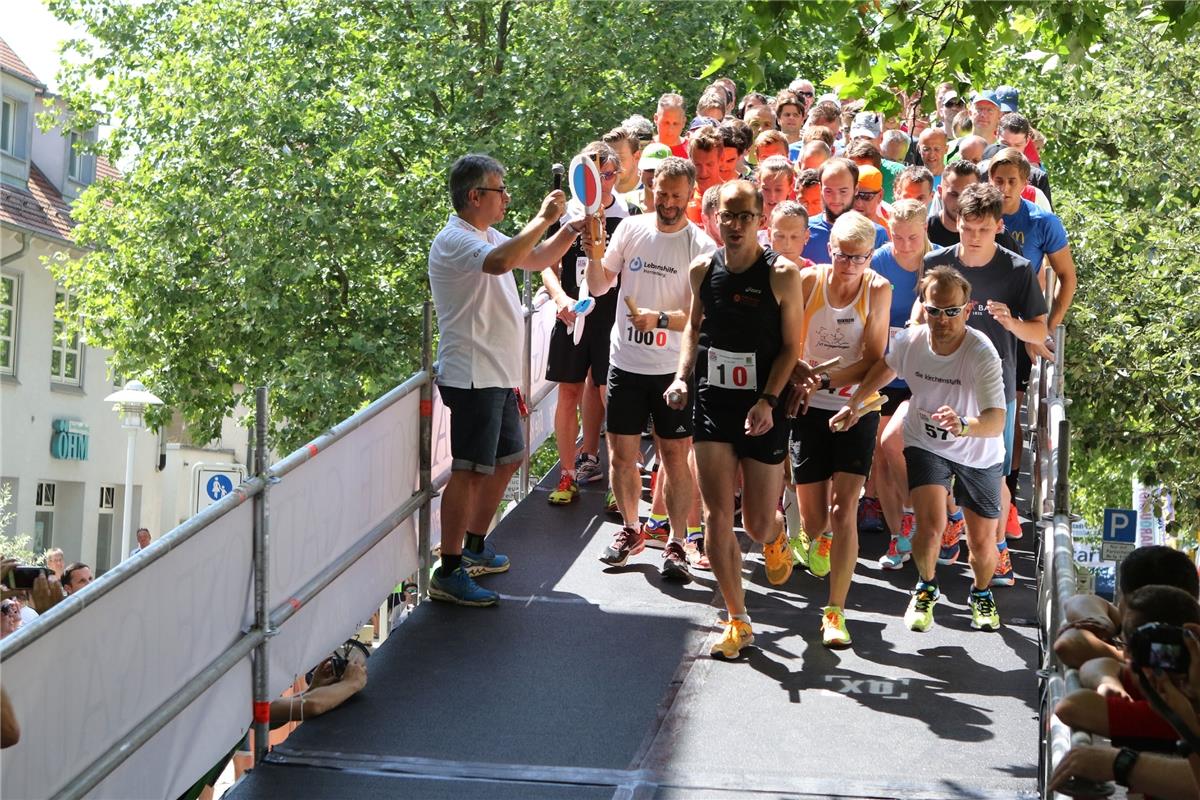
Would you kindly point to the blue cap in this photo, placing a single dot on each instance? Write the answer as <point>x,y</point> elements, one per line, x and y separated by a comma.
<point>1006,98</point>
<point>986,96</point>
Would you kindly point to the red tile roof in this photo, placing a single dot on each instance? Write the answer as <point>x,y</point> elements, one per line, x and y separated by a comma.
<point>11,63</point>
<point>104,169</point>
<point>40,208</point>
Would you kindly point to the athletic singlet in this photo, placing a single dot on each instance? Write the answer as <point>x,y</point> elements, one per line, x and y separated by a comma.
<point>830,332</point>
<point>741,334</point>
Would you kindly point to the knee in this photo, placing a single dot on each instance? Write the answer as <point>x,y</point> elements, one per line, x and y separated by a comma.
<point>622,460</point>
<point>717,520</point>
<point>762,527</point>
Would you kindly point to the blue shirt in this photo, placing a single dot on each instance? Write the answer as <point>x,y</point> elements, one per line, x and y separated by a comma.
<point>1038,232</point>
<point>817,249</point>
<point>904,294</point>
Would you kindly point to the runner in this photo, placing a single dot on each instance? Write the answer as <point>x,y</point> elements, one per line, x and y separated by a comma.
<point>953,431</point>
<point>788,232</point>
<point>569,364</point>
<point>649,255</point>
<point>839,179</point>
<point>845,316</point>
<point>742,337</point>
<point>900,263</point>
<point>1008,305</point>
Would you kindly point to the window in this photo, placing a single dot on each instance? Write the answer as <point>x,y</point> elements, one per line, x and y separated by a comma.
<point>104,529</point>
<point>66,352</point>
<point>43,517</point>
<point>107,495</point>
<point>9,286</point>
<point>74,157</point>
<point>8,127</point>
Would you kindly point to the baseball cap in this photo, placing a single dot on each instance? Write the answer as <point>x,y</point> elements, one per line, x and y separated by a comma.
<point>986,96</point>
<point>653,155</point>
<point>866,123</point>
<point>1006,98</point>
<point>951,95</point>
<point>701,122</point>
<point>870,178</point>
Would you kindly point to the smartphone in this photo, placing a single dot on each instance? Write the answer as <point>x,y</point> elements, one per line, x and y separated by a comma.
<point>23,577</point>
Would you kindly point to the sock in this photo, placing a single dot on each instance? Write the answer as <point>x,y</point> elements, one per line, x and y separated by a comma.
<point>473,542</point>
<point>695,533</point>
<point>1001,547</point>
<point>984,592</point>
<point>956,516</point>
<point>658,517</point>
<point>569,472</point>
<point>927,584</point>
<point>906,509</point>
<point>741,618</point>
<point>450,562</point>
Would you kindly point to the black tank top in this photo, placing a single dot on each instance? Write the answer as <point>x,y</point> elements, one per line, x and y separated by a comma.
<point>741,316</point>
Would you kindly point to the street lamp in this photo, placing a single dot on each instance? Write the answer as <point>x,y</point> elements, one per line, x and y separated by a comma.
<point>131,404</point>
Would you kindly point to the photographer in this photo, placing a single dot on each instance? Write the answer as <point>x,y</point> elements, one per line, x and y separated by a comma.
<point>1163,776</point>
<point>334,681</point>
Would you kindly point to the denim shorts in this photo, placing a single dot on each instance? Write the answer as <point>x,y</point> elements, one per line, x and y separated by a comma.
<point>485,428</point>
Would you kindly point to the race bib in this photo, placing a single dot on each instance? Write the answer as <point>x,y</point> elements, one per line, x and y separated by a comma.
<point>728,370</point>
<point>652,338</point>
<point>931,429</point>
<point>581,271</point>
<point>892,331</point>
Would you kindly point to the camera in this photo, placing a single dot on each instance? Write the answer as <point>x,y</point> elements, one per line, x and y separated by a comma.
<point>1159,646</point>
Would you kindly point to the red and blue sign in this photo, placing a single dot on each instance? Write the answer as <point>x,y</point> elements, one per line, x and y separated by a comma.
<point>585,183</point>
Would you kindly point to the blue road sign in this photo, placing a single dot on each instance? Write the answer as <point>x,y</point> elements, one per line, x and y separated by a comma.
<point>218,486</point>
<point>1120,525</point>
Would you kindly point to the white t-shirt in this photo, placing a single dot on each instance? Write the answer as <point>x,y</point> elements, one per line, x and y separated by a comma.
<point>653,267</point>
<point>480,318</point>
<point>969,380</point>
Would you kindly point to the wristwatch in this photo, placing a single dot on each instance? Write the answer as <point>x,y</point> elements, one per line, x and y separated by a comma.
<point>663,319</point>
<point>772,399</point>
<point>1123,765</point>
<point>825,383</point>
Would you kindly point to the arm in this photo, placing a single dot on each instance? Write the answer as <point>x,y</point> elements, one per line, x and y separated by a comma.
<point>1027,330</point>
<point>1064,269</point>
<point>1153,774</point>
<point>550,252</point>
<point>10,729</point>
<point>1102,675</point>
<point>318,701</point>
<point>691,335</point>
<point>787,287</point>
<point>1085,710</point>
<point>508,256</point>
<point>553,284</point>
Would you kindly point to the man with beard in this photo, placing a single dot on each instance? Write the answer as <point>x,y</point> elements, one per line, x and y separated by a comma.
<point>839,181</point>
<point>650,256</point>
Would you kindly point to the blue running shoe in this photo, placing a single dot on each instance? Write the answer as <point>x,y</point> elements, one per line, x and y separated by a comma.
<point>460,588</point>
<point>486,562</point>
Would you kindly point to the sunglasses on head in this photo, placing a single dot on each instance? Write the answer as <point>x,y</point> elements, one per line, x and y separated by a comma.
<point>950,312</point>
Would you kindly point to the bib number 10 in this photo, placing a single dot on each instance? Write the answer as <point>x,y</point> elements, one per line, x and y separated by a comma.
<point>654,338</point>
<point>728,370</point>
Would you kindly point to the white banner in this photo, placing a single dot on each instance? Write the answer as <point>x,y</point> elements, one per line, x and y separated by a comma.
<point>317,512</point>
<point>84,685</point>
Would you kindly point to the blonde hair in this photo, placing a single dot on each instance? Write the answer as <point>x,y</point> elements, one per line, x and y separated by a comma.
<point>776,165</point>
<point>853,228</point>
<point>908,210</point>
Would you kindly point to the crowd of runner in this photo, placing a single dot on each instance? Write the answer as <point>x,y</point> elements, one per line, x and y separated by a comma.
<point>824,316</point>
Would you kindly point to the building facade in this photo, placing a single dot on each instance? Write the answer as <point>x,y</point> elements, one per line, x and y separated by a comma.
<point>62,448</point>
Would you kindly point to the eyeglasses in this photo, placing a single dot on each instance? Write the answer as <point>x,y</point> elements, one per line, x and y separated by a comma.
<point>856,260</point>
<point>866,197</point>
<point>609,175</point>
<point>501,190</point>
<point>950,312</point>
<point>742,217</point>
<point>954,102</point>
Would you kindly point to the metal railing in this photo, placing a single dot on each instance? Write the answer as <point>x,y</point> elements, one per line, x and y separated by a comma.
<point>267,620</point>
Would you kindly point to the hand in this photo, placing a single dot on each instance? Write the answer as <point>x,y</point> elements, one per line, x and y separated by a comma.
<point>323,675</point>
<point>46,594</point>
<point>948,420</point>
<point>760,419</point>
<point>1089,762</point>
<point>591,237</point>
<point>355,675</point>
<point>844,419</point>
<point>1175,699</point>
<point>644,319</point>
<point>797,397</point>
<point>1000,313</point>
<point>553,206</point>
<point>564,310</point>
<point>679,390</point>
<point>1044,349</point>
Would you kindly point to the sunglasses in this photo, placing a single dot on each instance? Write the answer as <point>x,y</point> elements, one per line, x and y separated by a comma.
<point>804,94</point>
<point>954,103</point>
<point>951,312</point>
<point>866,197</point>
<point>609,175</point>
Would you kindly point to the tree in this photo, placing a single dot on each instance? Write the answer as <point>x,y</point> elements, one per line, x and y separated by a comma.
<point>291,165</point>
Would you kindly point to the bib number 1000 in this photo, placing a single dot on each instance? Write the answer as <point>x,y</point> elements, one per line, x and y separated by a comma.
<point>654,338</point>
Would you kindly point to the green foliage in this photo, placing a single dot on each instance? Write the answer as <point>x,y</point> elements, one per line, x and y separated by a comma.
<point>291,166</point>
<point>18,547</point>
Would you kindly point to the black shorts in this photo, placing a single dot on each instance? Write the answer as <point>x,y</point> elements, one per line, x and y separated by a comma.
<point>717,421</point>
<point>634,398</point>
<point>895,396</point>
<point>975,488</point>
<point>485,428</point>
<point>818,452</point>
<point>567,362</point>
<point>1024,367</point>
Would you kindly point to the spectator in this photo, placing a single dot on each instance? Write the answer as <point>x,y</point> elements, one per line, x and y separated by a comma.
<point>143,540</point>
<point>750,102</point>
<point>10,616</point>
<point>75,577</point>
<point>769,144</point>
<point>669,120</point>
<point>895,145</point>
<point>55,561</point>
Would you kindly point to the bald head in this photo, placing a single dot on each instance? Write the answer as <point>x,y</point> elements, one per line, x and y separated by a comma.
<point>742,194</point>
<point>931,144</point>
<point>972,148</point>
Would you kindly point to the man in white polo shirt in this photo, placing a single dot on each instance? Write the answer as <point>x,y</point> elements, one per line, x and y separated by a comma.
<point>479,362</point>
